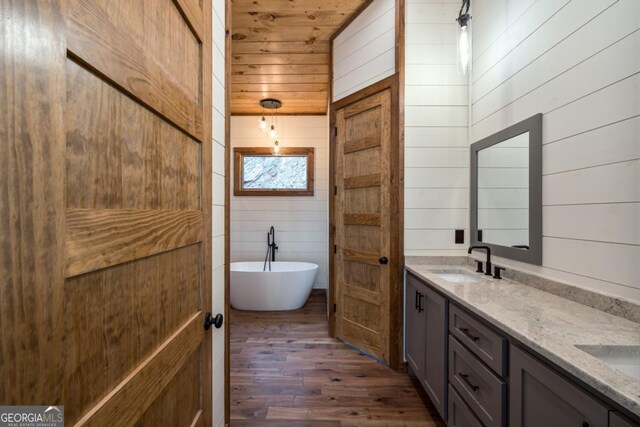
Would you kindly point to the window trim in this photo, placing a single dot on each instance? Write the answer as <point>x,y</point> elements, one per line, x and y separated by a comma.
<point>238,172</point>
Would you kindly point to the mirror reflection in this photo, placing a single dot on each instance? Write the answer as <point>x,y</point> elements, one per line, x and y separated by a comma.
<point>503,193</point>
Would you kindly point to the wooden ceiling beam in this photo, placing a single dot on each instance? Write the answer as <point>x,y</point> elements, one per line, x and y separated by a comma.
<point>279,69</point>
<point>265,79</point>
<point>240,47</point>
<point>240,6</point>
<point>290,19</point>
<point>281,87</point>
<point>280,58</point>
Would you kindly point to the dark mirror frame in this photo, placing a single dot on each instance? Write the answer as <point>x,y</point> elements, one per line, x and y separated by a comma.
<point>533,125</point>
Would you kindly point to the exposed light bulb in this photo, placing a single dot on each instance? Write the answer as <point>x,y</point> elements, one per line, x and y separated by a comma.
<point>272,133</point>
<point>263,123</point>
<point>276,148</point>
<point>463,47</point>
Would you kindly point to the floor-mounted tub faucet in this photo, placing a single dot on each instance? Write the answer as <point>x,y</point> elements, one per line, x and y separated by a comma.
<point>271,248</point>
<point>271,242</point>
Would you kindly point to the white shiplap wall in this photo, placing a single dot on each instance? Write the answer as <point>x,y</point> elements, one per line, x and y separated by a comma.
<point>301,222</point>
<point>364,53</point>
<point>436,132</point>
<point>218,83</point>
<point>578,63</point>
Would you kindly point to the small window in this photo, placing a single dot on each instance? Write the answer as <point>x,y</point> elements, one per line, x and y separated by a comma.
<point>260,172</point>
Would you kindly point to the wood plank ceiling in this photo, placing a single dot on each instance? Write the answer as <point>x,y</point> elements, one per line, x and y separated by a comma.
<point>280,49</point>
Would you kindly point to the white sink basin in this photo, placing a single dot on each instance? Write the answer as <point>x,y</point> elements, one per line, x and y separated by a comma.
<point>624,358</point>
<point>456,276</point>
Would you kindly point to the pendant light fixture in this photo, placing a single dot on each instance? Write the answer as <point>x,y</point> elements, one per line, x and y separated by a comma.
<point>262,124</point>
<point>273,105</point>
<point>464,37</point>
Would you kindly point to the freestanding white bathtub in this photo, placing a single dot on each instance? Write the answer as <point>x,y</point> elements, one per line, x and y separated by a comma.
<point>286,287</point>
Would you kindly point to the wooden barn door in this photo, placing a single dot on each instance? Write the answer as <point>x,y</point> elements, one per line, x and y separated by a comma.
<point>105,200</point>
<point>366,259</point>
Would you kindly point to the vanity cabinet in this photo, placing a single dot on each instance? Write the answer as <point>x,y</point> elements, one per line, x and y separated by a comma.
<point>541,397</point>
<point>477,375</point>
<point>426,340</point>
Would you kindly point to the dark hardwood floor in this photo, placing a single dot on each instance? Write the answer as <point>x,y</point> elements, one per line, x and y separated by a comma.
<point>286,371</point>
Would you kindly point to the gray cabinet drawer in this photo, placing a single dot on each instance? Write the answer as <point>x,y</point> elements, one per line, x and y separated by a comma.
<point>617,420</point>
<point>481,389</point>
<point>488,345</point>
<point>459,413</point>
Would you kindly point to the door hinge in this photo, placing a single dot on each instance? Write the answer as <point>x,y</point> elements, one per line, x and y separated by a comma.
<point>334,308</point>
<point>335,190</point>
<point>335,249</point>
<point>335,131</point>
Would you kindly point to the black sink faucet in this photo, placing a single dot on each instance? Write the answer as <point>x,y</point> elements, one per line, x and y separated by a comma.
<point>488,249</point>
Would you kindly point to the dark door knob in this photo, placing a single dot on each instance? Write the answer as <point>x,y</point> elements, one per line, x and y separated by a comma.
<point>383,260</point>
<point>216,321</point>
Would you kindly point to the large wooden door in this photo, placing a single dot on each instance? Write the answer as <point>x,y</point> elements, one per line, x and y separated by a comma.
<point>366,223</point>
<point>105,203</point>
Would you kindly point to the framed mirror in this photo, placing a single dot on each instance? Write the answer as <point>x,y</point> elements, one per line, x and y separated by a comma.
<point>506,191</point>
<point>259,171</point>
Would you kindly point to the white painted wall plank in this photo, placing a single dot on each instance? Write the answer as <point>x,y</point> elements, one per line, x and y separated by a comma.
<point>577,63</point>
<point>364,52</point>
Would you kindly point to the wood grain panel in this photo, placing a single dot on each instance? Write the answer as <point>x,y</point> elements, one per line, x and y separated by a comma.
<point>164,34</point>
<point>281,88</point>
<point>122,156</point>
<point>240,6</point>
<point>281,34</point>
<point>147,380</point>
<point>32,292</point>
<point>263,79</point>
<point>290,19</point>
<point>281,47</point>
<point>279,69</point>
<point>94,39</point>
<point>183,388</point>
<point>362,238</point>
<point>101,238</point>
<point>143,303</point>
<point>361,144</point>
<point>362,294</point>
<point>368,340</point>
<point>363,257</point>
<point>361,219</point>
<point>279,58</point>
<point>363,181</point>
<point>268,34</point>
<point>192,13</point>
<point>310,109</point>
<point>297,96</point>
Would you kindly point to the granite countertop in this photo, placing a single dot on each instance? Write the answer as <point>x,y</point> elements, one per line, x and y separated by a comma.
<point>550,325</point>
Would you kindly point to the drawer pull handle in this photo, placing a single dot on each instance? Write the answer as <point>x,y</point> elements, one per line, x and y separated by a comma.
<point>420,307</point>
<point>468,334</point>
<point>465,378</point>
